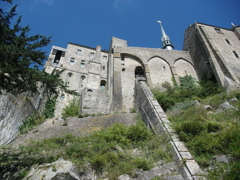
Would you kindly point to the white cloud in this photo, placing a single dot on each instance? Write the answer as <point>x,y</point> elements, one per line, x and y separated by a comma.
<point>120,5</point>
<point>48,2</point>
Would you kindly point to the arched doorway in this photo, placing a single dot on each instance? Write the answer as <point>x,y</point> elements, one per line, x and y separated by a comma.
<point>139,72</point>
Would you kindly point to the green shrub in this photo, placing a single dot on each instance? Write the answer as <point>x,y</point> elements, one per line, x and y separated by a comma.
<point>29,123</point>
<point>72,110</point>
<point>49,109</point>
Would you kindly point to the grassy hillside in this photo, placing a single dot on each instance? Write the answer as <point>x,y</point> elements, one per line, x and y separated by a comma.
<point>207,128</point>
<point>118,149</point>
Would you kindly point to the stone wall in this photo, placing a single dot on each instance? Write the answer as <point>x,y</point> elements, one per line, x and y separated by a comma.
<point>13,111</point>
<point>215,53</point>
<point>155,118</point>
<point>94,101</point>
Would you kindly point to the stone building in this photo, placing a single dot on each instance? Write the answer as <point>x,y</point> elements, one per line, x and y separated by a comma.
<point>215,52</point>
<point>106,78</point>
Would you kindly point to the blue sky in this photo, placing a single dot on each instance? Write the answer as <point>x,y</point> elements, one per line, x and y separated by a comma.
<point>94,22</point>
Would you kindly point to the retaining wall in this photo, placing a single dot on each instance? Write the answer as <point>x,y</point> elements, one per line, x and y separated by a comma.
<point>155,118</point>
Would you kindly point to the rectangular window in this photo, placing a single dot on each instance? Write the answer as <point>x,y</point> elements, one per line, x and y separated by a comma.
<point>218,30</point>
<point>79,52</point>
<point>83,63</point>
<point>72,60</point>
<point>235,53</point>
<point>105,58</point>
<point>92,55</point>
<point>103,68</point>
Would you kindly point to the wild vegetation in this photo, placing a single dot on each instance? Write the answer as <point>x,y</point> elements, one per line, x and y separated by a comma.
<point>111,150</point>
<point>73,109</point>
<point>37,118</point>
<point>206,133</point>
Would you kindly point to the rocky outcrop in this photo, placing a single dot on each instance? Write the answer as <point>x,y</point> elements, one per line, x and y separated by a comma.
<point>60,169</point>
<point>13,110</point>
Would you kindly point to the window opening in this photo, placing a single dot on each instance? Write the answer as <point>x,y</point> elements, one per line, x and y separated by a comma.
<point>123,69</point>
<point>139,71</point>
<point>89,90</point>
<point>104,58</point>
<point>82,81</point>
<point>68,79</point>
<point>235,53</point>
<point>92,55</point>
<point>103,68</point>
<point>228,41</point>
<point>72,61</point>
<point>218,30</point>
<point>103,85</point>
<point>58,54</point>
<point>83,63</point>
<point>79,51</point>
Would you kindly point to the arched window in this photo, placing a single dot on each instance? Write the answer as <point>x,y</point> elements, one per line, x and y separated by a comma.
<point>82,81</point>
<point>68,79</point>
<point>103,85</point>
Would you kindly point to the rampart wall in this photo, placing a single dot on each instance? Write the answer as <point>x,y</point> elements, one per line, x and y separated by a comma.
<point>155,118</point>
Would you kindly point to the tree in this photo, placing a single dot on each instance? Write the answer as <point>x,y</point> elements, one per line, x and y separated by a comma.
<point>21,57</point>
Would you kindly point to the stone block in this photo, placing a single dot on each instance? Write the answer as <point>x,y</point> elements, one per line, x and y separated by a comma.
<point>193,167</point>
<point>186,155</point>
<point>181,147</point>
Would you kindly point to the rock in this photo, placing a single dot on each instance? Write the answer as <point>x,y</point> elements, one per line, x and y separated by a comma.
<point>225,105</point>
<point>208,107</point>
<point>59,170</point>
<point>119,149</point>
<point>58,122</point>
<point>135,152</point>
<point>222,158</point>
<point>87,173</point>
<point>233,100</point>
<point>124,177</point>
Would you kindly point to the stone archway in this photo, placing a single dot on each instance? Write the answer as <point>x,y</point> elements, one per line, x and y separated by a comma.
<point>160,71</point>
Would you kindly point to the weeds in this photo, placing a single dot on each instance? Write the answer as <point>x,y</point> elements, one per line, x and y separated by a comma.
<point>29,123</point>
<point>49,109</point>
<point>72,109</point>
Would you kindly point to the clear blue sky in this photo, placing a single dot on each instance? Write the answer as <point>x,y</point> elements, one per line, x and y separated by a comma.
<point>94,22</point>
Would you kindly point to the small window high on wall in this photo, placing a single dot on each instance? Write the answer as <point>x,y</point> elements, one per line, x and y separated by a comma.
<point>227,41</point>
<point>104,58</point>
<point>79,52</point>
<point>235,53</point>
<point>92,55</point>
<point>72,61</point>
<point>58,54</point>
<point>218,30</point>
<point>103,85</point>
<point>83,62</point>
